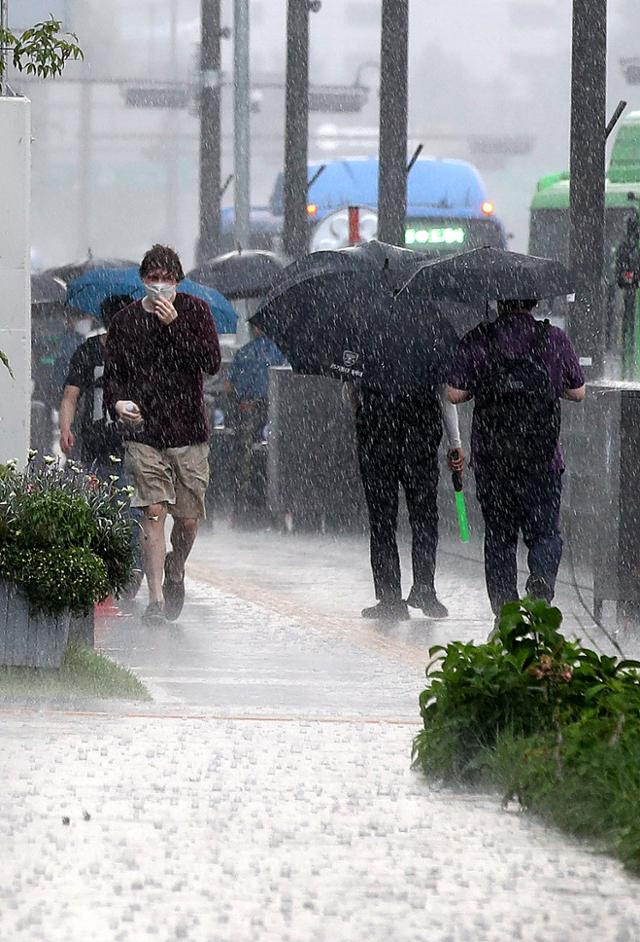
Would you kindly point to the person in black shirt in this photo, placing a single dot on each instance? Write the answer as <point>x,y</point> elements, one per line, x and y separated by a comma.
<point>99,439</point>
<point>98,436</point>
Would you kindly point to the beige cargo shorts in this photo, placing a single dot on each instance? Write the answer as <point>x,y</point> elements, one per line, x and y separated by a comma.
<point>175,476</point>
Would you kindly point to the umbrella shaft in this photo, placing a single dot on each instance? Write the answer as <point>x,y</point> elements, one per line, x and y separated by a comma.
<point>463,522</point>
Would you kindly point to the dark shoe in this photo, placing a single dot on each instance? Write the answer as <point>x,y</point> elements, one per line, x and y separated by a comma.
<point>391,611</point>
<point>173,593</point>
<point>133,585</point>
<point>430,605</point>
<point>538,588</point>
<point>154,614</point>
<point>496,628</point>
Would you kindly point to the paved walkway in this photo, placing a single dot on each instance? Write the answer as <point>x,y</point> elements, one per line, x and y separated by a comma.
<point>266,793</point>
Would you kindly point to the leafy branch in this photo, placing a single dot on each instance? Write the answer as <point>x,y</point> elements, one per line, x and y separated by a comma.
<point>5,359</point>
<point>42,50</point>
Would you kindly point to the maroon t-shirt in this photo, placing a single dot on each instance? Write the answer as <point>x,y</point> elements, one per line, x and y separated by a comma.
<point>160,368</point>
<point>515,335</point>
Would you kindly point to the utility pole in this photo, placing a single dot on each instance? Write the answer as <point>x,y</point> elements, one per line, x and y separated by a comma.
<point>242,123</point>
<point>587,171</point>
<point>85,130</point>
<point>210,153</point>
<point>296,134</point>
<point>173,151</point>
<point>394,76</point>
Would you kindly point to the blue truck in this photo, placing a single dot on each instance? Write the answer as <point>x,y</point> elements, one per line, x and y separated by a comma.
<point>448,208</point>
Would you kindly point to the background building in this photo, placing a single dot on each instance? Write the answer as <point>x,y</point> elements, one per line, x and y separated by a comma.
<point>489,82</point>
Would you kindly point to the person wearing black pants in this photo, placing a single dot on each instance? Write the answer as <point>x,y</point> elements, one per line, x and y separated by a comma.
<point>516,369</point>
<point>529,505</point>
<point>398,439</point>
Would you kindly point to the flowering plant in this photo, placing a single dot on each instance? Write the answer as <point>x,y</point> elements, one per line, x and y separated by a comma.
<point>65,536</point>
<point>529,679</point>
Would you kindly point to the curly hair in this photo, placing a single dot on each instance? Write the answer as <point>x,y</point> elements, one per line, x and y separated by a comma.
<point>162,258</point>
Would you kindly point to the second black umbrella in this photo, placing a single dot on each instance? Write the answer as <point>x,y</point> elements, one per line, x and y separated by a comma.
<point>488,274</point>
<point>350,325</point>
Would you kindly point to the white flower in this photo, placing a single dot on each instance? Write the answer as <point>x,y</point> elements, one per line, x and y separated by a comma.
<point>115,460</point>
<point>49,459</point>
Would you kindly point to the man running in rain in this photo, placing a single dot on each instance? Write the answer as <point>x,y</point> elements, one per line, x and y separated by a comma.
<point>517,369</point>
<point>398,439</point>
<point>156,354</point>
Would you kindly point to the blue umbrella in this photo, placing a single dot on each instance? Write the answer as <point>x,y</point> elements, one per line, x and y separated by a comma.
<point>87,293</point>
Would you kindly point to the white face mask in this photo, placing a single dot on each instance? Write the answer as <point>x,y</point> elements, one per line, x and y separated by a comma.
<point>83,326</point>
<point>160,290</point>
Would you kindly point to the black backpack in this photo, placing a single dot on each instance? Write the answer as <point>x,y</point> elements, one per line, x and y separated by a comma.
<point>517,411</point>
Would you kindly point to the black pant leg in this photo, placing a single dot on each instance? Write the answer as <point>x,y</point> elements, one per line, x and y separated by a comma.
<point>248,432</point>
<point>419,478</point>
<point>378,454</point>
<point>499,504</point>
<point>541,534</point>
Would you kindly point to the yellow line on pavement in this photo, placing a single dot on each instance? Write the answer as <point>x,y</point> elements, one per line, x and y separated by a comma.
<point>217,717</point>
<point>308,618</point>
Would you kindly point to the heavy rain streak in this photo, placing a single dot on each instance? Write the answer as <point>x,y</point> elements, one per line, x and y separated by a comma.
<point>319,470</point>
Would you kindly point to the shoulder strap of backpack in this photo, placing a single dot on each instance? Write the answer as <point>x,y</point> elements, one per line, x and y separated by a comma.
<point>540,336</point>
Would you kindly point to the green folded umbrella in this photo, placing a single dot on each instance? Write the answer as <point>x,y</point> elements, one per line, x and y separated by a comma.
<point>461,507</point>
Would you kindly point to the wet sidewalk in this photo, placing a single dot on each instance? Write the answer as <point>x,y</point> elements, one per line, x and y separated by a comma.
<point>266,794</point>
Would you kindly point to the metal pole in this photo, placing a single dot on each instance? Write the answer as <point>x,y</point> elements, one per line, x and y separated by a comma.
<point>394,73</point>
<point>296,134</point>
<point>587,170</point>
<point>85,130</point>
<point>172,222</point>
<point>210,155</point>
<point>241,145</point>
<point>241,123</point>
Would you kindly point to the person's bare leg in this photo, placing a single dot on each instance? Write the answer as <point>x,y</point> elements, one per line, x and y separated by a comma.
<point>154,548</point>
<point>183,535</point>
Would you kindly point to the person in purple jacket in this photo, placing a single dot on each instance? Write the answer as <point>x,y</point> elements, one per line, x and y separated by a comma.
<point>517,369</point>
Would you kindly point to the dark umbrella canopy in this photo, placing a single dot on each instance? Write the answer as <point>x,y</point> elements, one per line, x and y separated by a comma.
<point>487,274</point>
<point>247,274</point>
<point>67,273</point>
<point>45,289</point>
<point>350,325</point>
<point>375,254</point>
<point>369,256</point>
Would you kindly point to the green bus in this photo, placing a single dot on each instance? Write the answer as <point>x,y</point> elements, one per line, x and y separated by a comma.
<point>549,226</point>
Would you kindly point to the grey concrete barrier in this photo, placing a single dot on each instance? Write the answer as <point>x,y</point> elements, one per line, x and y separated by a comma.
<point>29,638</point>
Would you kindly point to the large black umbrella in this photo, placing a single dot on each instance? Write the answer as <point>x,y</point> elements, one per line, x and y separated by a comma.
<point>45,289</point>
<point>487,274</point>
<point>368,256</point>
<point>67,273</point>
<point>246,274</point>
<point>351,325</point>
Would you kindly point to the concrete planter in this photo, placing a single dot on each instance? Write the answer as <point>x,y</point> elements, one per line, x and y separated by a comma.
<point>29,638</point>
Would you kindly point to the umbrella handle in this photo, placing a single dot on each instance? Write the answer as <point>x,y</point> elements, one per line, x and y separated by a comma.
<point>463,521</point>
<point>461,507</point>
<point>456,476</point>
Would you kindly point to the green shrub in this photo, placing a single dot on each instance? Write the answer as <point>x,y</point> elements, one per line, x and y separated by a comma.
<point>545,719</point>
<point>65,536</point>
<point>54,518</point>
<point>56,579</point>
<point>584,778</point>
